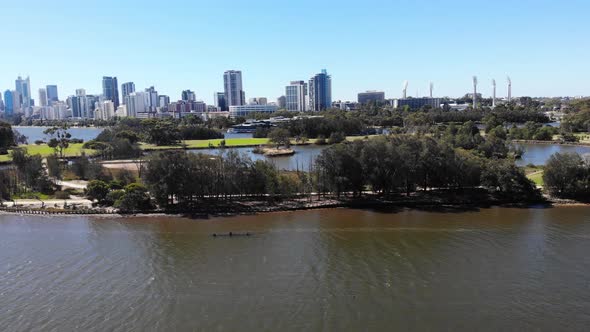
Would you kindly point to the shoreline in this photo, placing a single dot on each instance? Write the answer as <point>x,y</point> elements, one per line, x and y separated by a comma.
<point>238,208</point>
<point>524,141</point>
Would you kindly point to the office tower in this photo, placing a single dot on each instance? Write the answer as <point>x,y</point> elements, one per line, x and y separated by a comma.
<point>152,98</point>
<point>188,95</point>
<point>137,102</point>
<point>1,103</point>
<point>282,102</point>
<point>219,101</point>
<point>8,103</point>
<point>163,101</point>
<point>320,92</point>
<point>234,93</point>
<point>371,96</point>
<point>258,101</point>
<point>127,89</point>
<point>110,89</point>
<point>405,90</point>
<point>296,96</point>
<point>23,89</point>
<point>52,93</point>
<point>42,97</point>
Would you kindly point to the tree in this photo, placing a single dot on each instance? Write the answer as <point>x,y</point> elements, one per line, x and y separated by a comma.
<point>567,175</point>
<point>97,190</point>
<point>280,137</point>
<point>135,198</point>
<point>6,136</point>
<point>60,138</point>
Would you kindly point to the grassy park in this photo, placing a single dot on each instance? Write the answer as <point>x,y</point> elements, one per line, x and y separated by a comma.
<point>44,150</point>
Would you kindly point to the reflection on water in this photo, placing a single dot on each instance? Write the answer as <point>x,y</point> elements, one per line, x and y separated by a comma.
<point>538,154</point>
<point>36,133</point>
<point>304,156</point>
<point>326,270</point>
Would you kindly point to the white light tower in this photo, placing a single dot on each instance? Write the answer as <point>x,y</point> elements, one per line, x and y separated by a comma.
<point>474,92</point>
<point>494,94</point>
<point>509,88</point>
<point>405,90</point>
<point>431,88</point>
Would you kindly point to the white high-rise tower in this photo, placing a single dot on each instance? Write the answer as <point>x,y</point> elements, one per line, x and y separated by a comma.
<point>431,89</point>
<point>494,94</point>
<point>405,90</point>
<point>474,92</point>
<point>509,88</point>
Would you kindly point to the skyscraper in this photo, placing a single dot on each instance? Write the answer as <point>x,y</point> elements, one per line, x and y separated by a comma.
<point>110,89</point>
<point>152,98</point>
<point>52,93</point>
<point>296,95</point>
<point>127,89</point>
<point>188,95</point>
<point>42,97</point>
<point>220,102</point>
<point>8,103</point>
<point>23,88</point>
<point>320,92</point>
<point>234,93</point>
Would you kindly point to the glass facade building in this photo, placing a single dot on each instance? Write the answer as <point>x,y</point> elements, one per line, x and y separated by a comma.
<point>110,89</point>
<point>320,92</point>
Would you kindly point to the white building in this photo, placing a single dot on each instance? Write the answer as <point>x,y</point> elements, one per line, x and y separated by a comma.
<point>234,92</point>
<point>105,110</point>
<point>42,97</point>
<point>296,96</point>
<point>137,102</point>
<point>247,110</point>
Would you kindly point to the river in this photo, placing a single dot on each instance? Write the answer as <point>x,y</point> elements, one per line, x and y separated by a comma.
<point>494,269</point>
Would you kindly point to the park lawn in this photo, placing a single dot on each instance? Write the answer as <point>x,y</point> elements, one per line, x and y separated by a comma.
<point>33,149</point>
<point>229,142</point>
<point>537,178</point>
<point>204,144</point>
<point>584,137</point>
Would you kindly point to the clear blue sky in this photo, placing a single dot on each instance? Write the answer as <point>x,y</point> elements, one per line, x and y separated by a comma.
<point>364,45</point>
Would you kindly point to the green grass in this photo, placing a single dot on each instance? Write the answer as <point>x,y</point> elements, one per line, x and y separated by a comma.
<point>204,144</point>
<point>230,142</point>
<point>537,178</point>
<point>44,150</point>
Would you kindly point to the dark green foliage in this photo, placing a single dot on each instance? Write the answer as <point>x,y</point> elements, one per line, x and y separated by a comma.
<point>134,198</point>
<point>279,137</point>
<point>97,190</point>
<point>6,136</point>
<point>568,175</point>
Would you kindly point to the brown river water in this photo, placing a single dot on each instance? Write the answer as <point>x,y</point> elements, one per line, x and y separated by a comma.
<point>493,269</point>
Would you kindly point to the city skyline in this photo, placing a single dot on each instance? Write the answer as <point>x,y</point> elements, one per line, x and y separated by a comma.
<point>458,39</point>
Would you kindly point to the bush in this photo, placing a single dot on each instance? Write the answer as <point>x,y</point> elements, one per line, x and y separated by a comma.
<point>39,142</point>
<point>321,140</point>
<point>336,138</point>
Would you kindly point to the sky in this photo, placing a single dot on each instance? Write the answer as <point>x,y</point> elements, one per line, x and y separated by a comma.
<point>365,45</point>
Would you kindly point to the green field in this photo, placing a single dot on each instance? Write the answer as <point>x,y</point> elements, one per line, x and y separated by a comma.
<point>76,149</point>
<point>44,150</point>
<point>537,178</point>
<point>204,144</point>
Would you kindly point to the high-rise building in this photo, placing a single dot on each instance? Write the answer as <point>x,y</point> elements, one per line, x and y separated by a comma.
<point>127,89</point>
<point>371,96</point>
<point>296,96</point>
<point>52,93</point>
<point>220,102</point>
<point>110,89</point>
<point>320,92</point>
<point>163,101</point>
<point>188,95</point>
<point>1,103</point>
<point>152,98</point>
<point>8,103</point>
<point>234,93</point>
<point>282,102</point>
<point>137,102</point>
<point>42,97</point>
<point>23,88</point>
